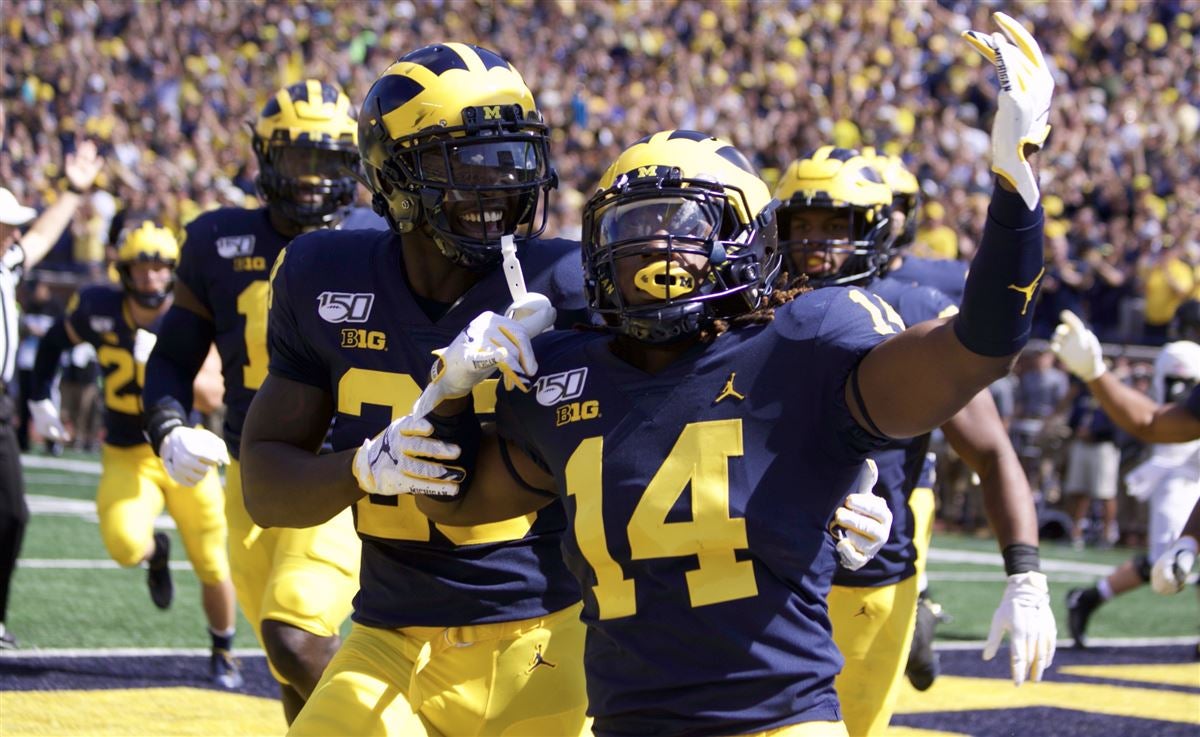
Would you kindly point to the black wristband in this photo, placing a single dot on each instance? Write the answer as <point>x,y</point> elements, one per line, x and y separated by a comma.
<point>76,190</point>
<point>1021,558</point>
<point>161,419</point>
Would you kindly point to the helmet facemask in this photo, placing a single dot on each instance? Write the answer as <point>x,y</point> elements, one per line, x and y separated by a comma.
<point>470,185</point>
<point>309,183</point>
<point>665,258</point>
<point>827,261</point>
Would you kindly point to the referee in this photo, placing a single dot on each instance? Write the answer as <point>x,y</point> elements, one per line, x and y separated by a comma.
<point>20,251</point>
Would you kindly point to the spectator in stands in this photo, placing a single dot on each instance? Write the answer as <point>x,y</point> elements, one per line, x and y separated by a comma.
<point>1168,279</point>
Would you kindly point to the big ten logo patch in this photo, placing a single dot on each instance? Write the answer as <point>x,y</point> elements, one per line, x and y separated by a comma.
<point>250,263</point>
<point>576,411</point>
<point>373,340</point>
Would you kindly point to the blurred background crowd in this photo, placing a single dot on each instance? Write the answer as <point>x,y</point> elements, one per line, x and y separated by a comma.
<point>166,89</point>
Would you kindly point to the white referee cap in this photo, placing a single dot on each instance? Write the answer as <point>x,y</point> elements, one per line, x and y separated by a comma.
<point>13,212</point>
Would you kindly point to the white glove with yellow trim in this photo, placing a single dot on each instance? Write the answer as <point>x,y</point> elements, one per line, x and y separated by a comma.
<point>403,460</point>
<point>1077,347</point>
<point>1024,613</point>
<point>46,420</point>
<point>863,522</point>
<point>143,345</point>
<point>1023,113</point>
<point>489,343</point>
<point>1171,570</point>
<point>189,453</point>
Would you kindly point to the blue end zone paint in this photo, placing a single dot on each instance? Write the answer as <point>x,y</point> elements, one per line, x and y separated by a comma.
<point>33,673</point>
<point>1043,721</point>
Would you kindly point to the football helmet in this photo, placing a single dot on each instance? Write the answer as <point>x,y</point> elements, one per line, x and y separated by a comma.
<point>1185,324</point>
<point>687,217</point>
<point>906,195</point>
<point>453,143</point>
<point>148,243</point>
<point>837,180</point>
<point>1176,371</point>
<point>306,139</point>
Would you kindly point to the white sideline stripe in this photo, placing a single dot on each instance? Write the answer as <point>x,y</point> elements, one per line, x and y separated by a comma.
<point>122,652</point>
<point>65,564</point>
<point>942,555</point>
<point>61,464</point>
<point>1093,642</point>
<point>40,504</point>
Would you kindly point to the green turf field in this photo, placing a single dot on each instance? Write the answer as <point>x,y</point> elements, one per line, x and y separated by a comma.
<point>67,595</point>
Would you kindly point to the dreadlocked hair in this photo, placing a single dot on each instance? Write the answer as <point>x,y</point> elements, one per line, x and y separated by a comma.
<point>765,314</point>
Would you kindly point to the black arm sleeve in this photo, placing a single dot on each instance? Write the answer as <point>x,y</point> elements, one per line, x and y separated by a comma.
<point>183,342</point>
<point>45,366</point>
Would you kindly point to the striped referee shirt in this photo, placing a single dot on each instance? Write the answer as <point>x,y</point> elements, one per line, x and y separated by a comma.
<point>12,266</point>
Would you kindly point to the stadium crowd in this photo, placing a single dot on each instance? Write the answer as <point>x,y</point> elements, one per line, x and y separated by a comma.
<point>167,89</point>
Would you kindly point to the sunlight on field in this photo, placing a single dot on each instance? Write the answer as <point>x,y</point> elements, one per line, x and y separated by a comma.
<point>134,712</point>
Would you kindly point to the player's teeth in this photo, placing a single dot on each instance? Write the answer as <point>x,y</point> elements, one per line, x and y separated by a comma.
<point>490,216</point>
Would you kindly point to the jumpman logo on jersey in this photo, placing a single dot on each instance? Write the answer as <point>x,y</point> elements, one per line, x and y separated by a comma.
<point>862,611</point>
<point>539,660</point>
<point>729,391</point>
<point>1029,290</point>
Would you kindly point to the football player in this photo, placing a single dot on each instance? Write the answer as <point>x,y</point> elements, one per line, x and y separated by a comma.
<point>294,586</point>
<point>1168,479</point>
<point>121,322</point>
<point>834,224</point>
<point>946,275</point>
<point>697,513</point>
<point>457,630</point>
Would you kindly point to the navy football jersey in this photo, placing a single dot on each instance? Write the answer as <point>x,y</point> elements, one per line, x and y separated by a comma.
<point>98,315</point>
<point>699,500</point>
<point>947,276</point>
<point>226,261</point>
<point>344,320</point>
<point>903,464</point>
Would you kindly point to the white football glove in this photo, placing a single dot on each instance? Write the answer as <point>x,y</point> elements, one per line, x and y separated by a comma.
<point>403,460</point>
<point>1077,347</point>
<point>1023,109</point>
<point>863,522</point>
<point>490,342</point>
<point>143,344</point>
<point>189,453</point>
<point>46,420</point>
<point>1172,567</point>
<point>1024,613</point>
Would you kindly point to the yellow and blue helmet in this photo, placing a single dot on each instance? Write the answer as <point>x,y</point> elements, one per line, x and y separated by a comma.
<point>148,243</point>
<point>906,194</point>
<point>834,180</point>
<point>306,141</point>
<point>453,143</point>
<point>669,198</point>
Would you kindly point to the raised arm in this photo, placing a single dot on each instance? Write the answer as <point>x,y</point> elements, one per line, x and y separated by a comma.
<point>81,169</point>
<point>1134,412</point>
<point>917,380</point>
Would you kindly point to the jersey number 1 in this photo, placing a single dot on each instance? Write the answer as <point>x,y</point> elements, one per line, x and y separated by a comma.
<point>700,459</point>
<point>252,304</point>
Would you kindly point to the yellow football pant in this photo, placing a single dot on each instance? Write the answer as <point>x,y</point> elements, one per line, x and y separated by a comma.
<point>305,578</point>
<point>134,487</point>
<point>922,505</point>
<point>516,679</point>
<point>873,627</point>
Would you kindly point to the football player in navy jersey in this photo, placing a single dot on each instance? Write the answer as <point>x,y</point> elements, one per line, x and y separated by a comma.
<point>700,467</point>
<point>294,586</point>
<point>946,275</point>
<point>121,322</point>
<point>457,630</point>
<point>835,224</point>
